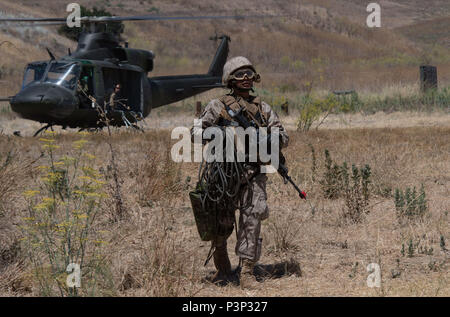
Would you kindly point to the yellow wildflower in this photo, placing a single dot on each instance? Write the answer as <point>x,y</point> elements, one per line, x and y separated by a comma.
<point>46,203</point>
<point>90,172</point>
<point>94,195</point>
<point>41,206</point>
<point>54,176</point>
<point>30,193</point>
<point>100,242</point>
<point>46,140</point>
<point>89,156</point>
<point>68,159</point>
<point>79,144</point>
<point>50,146</point>
<point>86,178</point>
<point>64,224</point>
<point>99,182</point>
<point>46,179</point>
<point>48,200</point>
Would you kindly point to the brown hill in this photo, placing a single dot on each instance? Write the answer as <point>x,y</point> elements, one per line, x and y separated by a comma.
<point>322,44</point>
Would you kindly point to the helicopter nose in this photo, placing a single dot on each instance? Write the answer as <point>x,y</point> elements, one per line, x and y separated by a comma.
<point>44,102</point>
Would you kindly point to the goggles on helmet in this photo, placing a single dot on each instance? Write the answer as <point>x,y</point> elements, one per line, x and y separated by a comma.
<point>242,73</point>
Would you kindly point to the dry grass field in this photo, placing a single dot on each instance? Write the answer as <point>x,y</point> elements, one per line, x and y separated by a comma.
<point>155,250</point>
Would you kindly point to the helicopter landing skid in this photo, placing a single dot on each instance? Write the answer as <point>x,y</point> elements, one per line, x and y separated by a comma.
<point>127,122</point>
<point>44,128</point>
<point>137,127</point>
<point>89,129</point>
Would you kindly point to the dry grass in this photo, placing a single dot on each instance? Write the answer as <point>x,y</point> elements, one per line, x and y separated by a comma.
<point>156,250</point>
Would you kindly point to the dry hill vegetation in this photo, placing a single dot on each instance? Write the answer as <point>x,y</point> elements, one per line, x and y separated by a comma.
<point>148,245</point>
<point>323,44</point>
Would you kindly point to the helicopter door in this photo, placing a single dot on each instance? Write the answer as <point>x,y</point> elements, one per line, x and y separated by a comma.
<point>133,89</point>
<point>131,92</point>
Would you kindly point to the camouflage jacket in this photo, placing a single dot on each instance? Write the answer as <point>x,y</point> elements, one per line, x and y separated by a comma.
<point>215,114</point>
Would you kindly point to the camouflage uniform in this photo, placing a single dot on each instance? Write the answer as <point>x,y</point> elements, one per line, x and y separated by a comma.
<point>253,197</point>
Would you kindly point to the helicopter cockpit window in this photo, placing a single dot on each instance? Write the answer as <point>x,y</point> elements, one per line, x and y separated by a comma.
<point>33,73</point>
<point>63,74</point>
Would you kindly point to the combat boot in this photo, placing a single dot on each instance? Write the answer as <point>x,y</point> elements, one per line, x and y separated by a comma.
<point>222,264</point>
<point>247,279</point>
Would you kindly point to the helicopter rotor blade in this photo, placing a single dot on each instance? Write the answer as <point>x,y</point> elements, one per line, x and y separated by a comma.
<point>165,18</point>
<point>104,19</point>
<point>33,19</point>
<point>27,25</point>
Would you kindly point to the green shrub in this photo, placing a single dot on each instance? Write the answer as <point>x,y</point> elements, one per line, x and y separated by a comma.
<point>409,204</point>
<point>337,182</point>
<point>314,109</point>
<point>417,245</point>
<point>357,192</point>
<point>332,182</point>
<point>313,162</point>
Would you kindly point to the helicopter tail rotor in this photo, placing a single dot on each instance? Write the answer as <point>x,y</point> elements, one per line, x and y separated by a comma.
<point>52,57</point>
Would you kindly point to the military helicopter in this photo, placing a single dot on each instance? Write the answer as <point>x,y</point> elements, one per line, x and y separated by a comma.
<point>51,93</point>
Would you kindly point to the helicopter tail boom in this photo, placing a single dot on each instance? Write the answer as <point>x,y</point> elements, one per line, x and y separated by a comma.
<point>169,89</point>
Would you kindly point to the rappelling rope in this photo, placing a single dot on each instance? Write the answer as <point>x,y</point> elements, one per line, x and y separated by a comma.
<point>222,183</point>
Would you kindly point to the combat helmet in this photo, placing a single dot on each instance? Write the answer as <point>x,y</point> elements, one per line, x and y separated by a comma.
<point>234,64</point>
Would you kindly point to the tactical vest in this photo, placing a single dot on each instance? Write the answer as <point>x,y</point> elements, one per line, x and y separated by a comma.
<point>253,110</point>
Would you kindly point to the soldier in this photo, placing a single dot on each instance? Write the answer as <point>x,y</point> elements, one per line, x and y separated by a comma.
<point>239,75</point>
<point>114,97</point>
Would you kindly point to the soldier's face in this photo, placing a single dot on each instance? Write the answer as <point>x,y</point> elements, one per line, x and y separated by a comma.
<point>245,84</point>
<point>243,79</point>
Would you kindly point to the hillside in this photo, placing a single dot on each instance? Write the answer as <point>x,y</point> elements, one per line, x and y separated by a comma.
<point>434,32</point>
<point>321,44</point>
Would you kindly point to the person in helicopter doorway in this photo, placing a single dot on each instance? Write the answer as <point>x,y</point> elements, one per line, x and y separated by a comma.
<point>86,99</point>
<point>116,100</point>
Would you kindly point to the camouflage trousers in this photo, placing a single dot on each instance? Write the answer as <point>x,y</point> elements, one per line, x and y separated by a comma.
<point>254,209</point>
